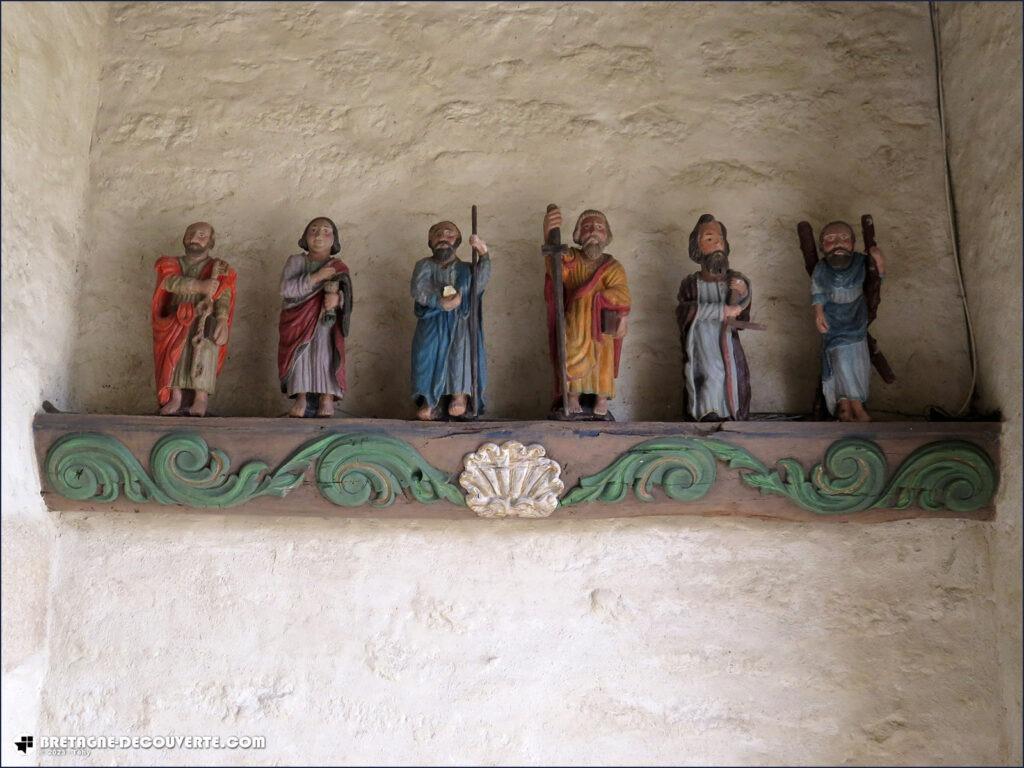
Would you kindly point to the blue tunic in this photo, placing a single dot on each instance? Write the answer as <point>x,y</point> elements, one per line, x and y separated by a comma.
<point>845,360</point>
<point>441,346</point>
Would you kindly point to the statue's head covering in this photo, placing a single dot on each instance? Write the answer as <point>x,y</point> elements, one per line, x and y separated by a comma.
<point>335,246</point>
<point>585,215</point>
<point>705,218</point>
<point>194,226</point>
<point>458,232</point>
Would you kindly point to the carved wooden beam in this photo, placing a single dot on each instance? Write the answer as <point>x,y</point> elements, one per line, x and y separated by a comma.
<point>404,469</point>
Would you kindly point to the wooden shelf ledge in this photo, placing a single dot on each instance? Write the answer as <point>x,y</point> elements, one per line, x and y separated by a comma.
<point>386,468</point>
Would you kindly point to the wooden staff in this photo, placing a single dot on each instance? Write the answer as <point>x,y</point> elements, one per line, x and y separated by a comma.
<point>873,297</point>
<point>474,324</point>
<point>553,249</point>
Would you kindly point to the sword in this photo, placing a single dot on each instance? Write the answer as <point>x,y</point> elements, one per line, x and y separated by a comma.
<point>553,250</point>
<point>474,325</point>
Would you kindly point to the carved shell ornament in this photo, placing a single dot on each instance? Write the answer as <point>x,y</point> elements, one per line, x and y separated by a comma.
<point>511,480</point>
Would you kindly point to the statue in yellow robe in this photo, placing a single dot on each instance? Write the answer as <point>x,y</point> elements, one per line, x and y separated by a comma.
<point>596,299</point>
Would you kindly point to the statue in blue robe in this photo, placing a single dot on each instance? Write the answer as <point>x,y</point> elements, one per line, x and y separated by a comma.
<point>841,316</point>
<point>441,346</point>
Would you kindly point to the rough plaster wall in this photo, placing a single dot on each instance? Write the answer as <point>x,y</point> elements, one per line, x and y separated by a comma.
<point>388,117</point>
<point>50,86</point>
<point>648,641</point>
<point>640,642</point>
<point>981,47</point>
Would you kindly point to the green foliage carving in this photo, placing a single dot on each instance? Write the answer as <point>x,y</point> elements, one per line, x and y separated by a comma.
<point>351,469</point>
<point>949,474</point>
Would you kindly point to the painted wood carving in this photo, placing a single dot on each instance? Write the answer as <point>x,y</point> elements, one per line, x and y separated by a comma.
<point>713,306</point>
<point>449,365</point>
<point>192,309</point>
<point>588,302</point>
<point>316,304</point>
<point>358,469</point>
<point>845,294</point>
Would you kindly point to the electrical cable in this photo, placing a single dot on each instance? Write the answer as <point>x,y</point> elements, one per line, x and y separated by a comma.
<point>933,12</point>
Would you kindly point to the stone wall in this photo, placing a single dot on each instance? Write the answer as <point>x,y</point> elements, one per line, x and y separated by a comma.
<point>51,87</point>
<point>981,47</point>
<point>651,641</point>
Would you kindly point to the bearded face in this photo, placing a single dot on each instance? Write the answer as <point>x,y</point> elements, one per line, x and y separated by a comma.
<point>443,239</point>
<point>198,239</point>
<point>593,236</point>
<point>711,242</point>
<point>837,245</point>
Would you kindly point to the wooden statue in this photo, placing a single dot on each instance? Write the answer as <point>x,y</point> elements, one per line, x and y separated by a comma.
<point>192,310</point>
<point>714,304</point>
<point>845,294</point>
<point>316,304</point>
<point>449,367</point>
<point>588,301</point>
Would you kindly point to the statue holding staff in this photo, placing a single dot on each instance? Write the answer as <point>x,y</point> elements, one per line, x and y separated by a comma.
<point>446,292</point>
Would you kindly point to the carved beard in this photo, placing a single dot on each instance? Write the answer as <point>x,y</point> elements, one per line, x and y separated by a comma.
<point>839,258</point>
<point>593,248</point>
<point>195,249</point>
<point>715,263</point>
<point>443,253</point>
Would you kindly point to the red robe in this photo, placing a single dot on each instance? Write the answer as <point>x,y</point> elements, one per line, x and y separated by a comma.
<point>171,325</point>
<point>296,329</point>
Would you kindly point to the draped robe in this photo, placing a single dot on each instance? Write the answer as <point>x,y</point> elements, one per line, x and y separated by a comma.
<point>173,315</point>
<point>441,345</point>
<point>590,286</point>
<point>845,358</point>
<point>310,354</point>
<point>713,357</point>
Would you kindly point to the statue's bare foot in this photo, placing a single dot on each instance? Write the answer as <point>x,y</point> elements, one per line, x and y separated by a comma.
<point>845,411</point>
<point>298,410</point>
<point>601,406</point>
<point>198,407</point>
<point>859,414</point>
<point>326,408</point>
<point>457,407</point>
<point>425,413</point>
<point>574,403</point>
<point>173,405</point>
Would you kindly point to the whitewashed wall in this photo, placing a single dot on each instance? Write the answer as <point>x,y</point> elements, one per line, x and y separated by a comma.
<point>51,61</point>
<point>981,47</point>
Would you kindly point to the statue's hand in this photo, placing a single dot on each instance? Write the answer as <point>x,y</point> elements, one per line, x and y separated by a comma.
<point>819,319</point>
<point>732,311</point>
<point>739,286</point>
<point>220,332</point>
<point>452,302</point>
<point>324,273</point>
<point>477,244</point>
<point>332,301</point>
<point>552,219</point>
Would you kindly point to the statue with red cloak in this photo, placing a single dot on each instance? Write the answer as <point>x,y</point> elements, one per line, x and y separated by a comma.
<point>316,304</point>
<point>192,310</point>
